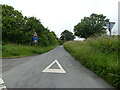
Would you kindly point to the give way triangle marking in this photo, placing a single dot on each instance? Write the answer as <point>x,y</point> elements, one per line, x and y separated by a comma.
<point>47,69</point>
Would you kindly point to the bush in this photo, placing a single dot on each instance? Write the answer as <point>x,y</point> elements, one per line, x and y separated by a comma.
<point>60,42</point>
<point>99,55</point>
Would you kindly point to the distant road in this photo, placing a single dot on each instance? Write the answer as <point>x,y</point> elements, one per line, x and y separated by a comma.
<point>54,69</point>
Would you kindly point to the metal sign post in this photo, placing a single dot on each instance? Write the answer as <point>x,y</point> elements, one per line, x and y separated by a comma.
<point>110,26</point>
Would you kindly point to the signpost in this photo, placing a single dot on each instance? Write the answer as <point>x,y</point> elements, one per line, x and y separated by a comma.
<point>110,26</point>
<point>35,38</point>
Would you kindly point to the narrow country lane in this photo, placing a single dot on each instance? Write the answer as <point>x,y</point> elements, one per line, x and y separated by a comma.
<point>54,69</point>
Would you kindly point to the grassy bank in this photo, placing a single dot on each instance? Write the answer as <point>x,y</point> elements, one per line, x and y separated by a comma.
<point>13,50</point>
<point>0,49</point>
<point>99,55</point>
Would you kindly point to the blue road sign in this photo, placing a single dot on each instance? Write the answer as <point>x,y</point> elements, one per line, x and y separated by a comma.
<point>35,38</point>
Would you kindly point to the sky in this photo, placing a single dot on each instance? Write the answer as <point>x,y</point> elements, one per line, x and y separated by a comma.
<point>60,15</point>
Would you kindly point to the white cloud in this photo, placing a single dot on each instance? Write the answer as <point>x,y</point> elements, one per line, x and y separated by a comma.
<point>59,15</point>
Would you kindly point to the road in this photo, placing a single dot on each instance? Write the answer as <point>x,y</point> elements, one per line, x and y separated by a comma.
<point>36,72</point>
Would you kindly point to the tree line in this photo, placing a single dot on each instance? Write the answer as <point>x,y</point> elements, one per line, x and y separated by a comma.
<point>92,26</point>
<point>19,29</point>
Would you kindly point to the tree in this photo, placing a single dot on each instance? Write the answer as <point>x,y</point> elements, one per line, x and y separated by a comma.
<point>91,26</point>
<point>67,36</point>
<point>0,24</point>
<point>19,29</point>
<point>52,38</point>
<point>32,24</point>
<point>12,22</point>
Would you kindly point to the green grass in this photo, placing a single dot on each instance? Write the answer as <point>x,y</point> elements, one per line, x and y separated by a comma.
<point>14,50</point>
<point>0,50</point>
<point>99,55</point>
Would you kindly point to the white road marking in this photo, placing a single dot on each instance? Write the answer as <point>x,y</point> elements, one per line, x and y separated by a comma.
<point>1,87</point>
<point>2,84</point>
<point>1,81</point>
<point>47,69</point>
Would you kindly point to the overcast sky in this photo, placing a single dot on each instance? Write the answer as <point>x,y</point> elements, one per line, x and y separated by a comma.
<point>60,15</point>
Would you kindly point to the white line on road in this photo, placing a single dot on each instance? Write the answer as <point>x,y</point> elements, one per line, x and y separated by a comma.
<point>2,84</point>
<point>47,69</point>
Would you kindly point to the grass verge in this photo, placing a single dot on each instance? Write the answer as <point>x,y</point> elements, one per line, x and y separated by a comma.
<point>99,55</point>
<point>14,50</point>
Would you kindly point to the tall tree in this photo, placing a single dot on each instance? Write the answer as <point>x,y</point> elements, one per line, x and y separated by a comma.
<point>12,22</point>
<point>67,36</point>
<point>91,26</point>
<point>19,29</point>
<point>32,24</point>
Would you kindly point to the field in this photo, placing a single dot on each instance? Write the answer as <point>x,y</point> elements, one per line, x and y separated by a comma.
<point>99,55</point>
<point>14,50</point>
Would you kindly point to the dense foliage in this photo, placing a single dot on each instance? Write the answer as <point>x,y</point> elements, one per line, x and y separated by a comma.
<point>0,24</point>
<point>91,26</point>
<point>67,36</point>
<point>99,55</point>
<point>19,29</point>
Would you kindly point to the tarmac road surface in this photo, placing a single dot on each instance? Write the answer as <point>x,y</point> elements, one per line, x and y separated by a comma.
<point>54,69</point>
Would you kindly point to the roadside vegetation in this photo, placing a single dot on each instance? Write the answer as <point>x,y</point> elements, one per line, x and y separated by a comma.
<point>19,29</point>
<point>17,32</point>
<point>100,55</point>
<point>15,50</point>
<point>0,50</point>
<point>66,35</point>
